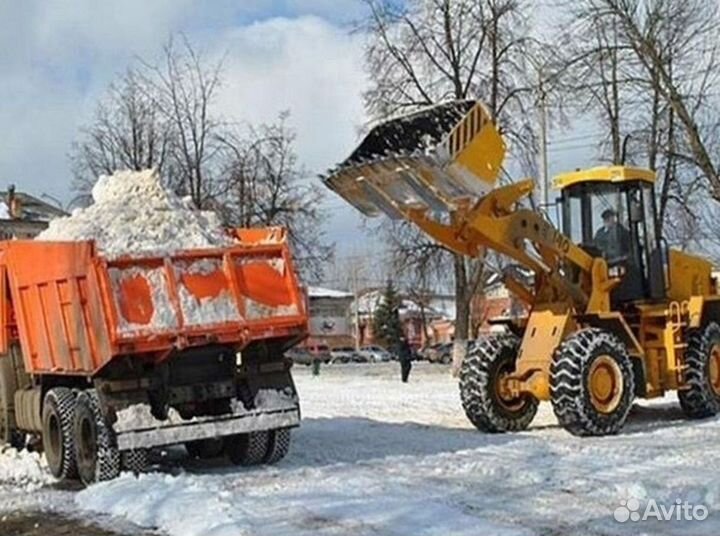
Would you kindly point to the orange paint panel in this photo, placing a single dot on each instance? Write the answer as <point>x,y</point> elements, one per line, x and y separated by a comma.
<point>135,299</point>
<point>4,313</point>
<point>204,285</point>
<point>262,283</point>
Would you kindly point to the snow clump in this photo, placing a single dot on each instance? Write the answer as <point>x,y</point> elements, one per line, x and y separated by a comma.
<point>134,213</point>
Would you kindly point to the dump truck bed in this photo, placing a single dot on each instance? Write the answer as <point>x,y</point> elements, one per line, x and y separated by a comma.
<point>74,310</point>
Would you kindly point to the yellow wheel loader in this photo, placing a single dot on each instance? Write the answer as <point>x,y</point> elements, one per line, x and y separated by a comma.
<point>614,313</point>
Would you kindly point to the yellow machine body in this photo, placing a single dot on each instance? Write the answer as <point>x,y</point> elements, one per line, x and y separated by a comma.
<point>572,287</point>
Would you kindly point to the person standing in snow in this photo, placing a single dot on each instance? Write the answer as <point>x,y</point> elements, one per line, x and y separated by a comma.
<point>405,358</point>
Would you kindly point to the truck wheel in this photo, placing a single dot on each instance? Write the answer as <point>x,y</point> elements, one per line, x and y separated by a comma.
<point>247,449</point>
<point>57,433</point>
<point>591,383</point>
<point>136,461</point>
<point>701,396</point>
<point>278,446</point>
<point>481,393</point>
<point>9,434</point>
<point>96,454</point>
<point>205,449</point>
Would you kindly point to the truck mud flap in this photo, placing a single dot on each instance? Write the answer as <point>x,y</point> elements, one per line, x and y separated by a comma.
<point>177,430</point>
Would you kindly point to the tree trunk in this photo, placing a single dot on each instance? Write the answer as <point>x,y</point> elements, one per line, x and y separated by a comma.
<point>462,313</point>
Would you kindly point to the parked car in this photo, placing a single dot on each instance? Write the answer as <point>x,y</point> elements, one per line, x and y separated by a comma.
<point>305,355</point>
<point>440,352</point>
<point>347,354</point>
<point>376,354</point>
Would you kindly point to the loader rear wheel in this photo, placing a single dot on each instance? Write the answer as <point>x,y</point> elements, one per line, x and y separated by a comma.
<point>701,397</point>
<point>57,434</point>
<point>484,400</point>
<point>248,449</point>
<point>9,434</point>
<point>96,453</point>
<point>591,383</point>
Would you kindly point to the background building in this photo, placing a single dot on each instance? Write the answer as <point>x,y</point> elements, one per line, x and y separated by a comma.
<point>330,318</point>
<point>23,215</point>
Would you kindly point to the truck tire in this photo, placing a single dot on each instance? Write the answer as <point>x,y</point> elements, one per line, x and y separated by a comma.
<point>9,434</point>
<point>701,396</point>
<point>278,445</point>
<point>135,461</point>
<point>480,376</point>
<point>248,449</point>
<point>97,455</point>
<point>57,432</point>
<point>591,383</point>
<point>205,449</point>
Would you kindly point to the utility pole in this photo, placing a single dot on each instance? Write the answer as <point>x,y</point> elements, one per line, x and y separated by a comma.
<point>544,180</point>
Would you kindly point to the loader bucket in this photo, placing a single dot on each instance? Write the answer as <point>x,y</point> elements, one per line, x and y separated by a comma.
<point>430,159</point>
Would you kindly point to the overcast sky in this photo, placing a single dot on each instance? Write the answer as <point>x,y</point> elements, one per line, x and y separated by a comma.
<point>57,58</point>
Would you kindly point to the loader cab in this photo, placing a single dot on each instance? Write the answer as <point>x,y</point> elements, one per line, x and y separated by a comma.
<point>611,212</point>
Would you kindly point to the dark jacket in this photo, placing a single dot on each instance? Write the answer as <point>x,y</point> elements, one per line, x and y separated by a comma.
<point>404,351</point>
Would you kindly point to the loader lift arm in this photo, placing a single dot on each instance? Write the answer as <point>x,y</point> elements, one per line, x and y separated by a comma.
<point>496,222</point>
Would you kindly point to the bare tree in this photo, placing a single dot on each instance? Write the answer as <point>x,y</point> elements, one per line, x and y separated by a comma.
<point>263,185</point>
<point>652,82</point>
<point>163,115</point>
<point>594,71</point>
<point>183,87</point>
<point>127,132</point>
<point>422,52</point>
<point>692,26</point>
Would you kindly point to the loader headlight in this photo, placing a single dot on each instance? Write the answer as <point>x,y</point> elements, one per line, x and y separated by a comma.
<point>616,271</point>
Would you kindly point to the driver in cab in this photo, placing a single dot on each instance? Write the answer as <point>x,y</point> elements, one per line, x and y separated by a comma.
<point>613,239</point>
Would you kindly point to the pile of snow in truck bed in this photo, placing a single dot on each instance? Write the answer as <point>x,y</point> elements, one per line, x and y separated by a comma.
<point>134,214</point>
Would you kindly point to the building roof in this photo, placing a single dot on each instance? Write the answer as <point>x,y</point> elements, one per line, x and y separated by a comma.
<point>33,209</point>
<point>439,305</point>
<point>320,292</point>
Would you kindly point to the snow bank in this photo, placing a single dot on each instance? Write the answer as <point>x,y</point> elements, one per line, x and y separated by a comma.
<point>23,469</point>
<point>133,213</point>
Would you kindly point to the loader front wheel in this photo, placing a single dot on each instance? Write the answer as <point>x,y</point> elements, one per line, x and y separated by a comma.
<point>486,403</point>
<point>96,453</point>
<point>701,396</point>
<point>57,434</point>
<point>591,383</point>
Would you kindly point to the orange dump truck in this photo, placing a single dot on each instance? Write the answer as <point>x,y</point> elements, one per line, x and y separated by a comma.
<point>105,359</point>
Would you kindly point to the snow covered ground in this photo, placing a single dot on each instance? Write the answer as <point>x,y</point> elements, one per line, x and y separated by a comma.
<point>376,457</point>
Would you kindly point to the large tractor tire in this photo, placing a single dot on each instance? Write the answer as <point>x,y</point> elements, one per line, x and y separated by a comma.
<point>9,434</point>
<point>481,377</point>
<point>591,383</point>
<point>701,396</point>
<point>57,434</point>
<point>96,453</point>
